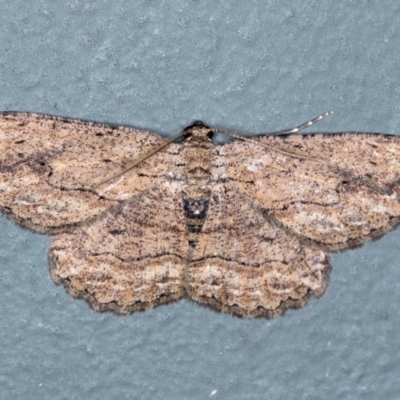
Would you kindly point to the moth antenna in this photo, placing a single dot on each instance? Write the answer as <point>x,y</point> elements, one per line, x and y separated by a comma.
<point>141,158</point>
<point>247,139</point>
<point>299,128</point>
<point>295,130</point>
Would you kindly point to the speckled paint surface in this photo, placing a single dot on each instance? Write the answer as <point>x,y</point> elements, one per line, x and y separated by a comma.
<point>251,66</point>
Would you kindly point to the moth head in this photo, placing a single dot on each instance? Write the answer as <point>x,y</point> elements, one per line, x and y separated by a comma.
<point>199,131</point>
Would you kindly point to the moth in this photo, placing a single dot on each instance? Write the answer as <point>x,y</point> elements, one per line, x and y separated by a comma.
<point>246,227</point>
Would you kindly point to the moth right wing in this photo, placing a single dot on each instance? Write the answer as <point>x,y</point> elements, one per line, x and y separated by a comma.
<point>346,193</point>
<point>245,264</point>
<point>50,168</point>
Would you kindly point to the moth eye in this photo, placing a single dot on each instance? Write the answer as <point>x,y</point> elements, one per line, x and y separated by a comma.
<point>210,134</point>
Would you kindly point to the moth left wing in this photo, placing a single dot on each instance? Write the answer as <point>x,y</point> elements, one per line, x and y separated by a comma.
<point>348,193</point>
<point>50,168</point>
<point>133,258</point>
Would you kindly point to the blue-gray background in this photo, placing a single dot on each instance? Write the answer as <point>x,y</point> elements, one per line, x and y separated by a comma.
<point>254,66</point>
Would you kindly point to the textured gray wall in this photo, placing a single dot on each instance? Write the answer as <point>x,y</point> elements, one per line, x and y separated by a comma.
<point>255,66</point>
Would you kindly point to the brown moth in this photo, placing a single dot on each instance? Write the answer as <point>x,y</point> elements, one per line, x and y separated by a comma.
<point>246,227</point>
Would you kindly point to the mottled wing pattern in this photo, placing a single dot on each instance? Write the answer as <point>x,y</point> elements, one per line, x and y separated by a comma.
<point>241,227</point>
<point>131,259</point>
<point>349,197</point>
<point>49,167</point>
<point>244,263</point>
